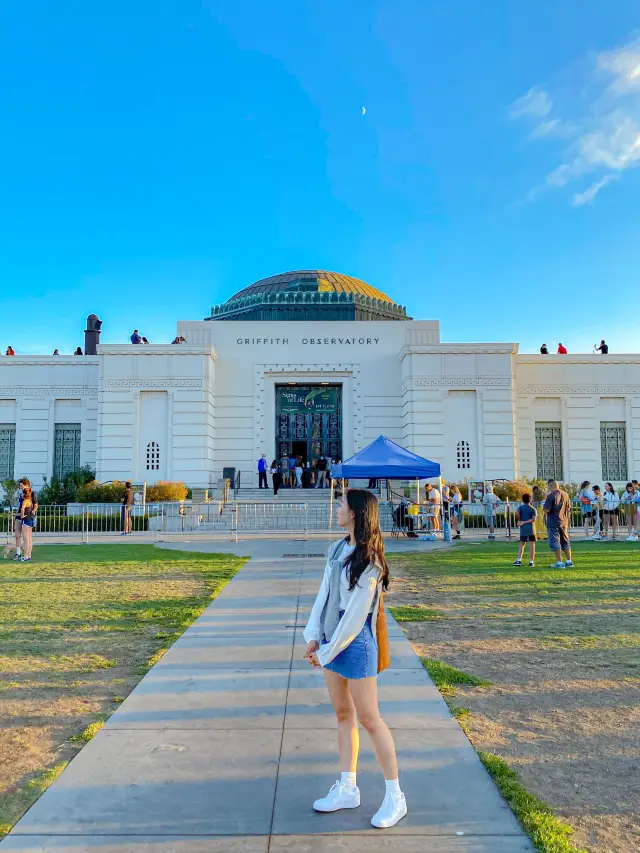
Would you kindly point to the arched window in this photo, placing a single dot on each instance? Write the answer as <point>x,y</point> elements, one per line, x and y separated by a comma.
<point>464,454</point>
<point>153,456</point>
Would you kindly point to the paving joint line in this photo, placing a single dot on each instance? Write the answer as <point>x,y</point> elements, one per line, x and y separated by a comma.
<point>286,702</point>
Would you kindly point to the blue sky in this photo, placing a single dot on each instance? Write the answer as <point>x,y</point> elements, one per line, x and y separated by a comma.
<point>159,156</point>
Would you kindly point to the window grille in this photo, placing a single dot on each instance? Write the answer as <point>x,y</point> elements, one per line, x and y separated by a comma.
<point>613,446</point>
<point>549,451</point>
<point>7,451</point>
<point>66,452</point>
<point>153,456</point>
<point>464,454</point>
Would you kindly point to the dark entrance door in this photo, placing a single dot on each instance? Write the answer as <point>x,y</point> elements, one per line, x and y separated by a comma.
<point>309,421</point>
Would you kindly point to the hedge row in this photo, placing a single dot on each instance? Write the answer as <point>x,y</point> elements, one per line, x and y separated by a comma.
<point>58,523</point>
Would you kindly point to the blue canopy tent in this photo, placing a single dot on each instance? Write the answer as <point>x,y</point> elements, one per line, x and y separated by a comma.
<point>383,459</point>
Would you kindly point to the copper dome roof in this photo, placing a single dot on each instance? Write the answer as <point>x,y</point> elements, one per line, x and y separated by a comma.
<point>324,281</point>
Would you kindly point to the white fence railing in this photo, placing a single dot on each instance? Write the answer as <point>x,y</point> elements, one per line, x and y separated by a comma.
<point>233,519</point>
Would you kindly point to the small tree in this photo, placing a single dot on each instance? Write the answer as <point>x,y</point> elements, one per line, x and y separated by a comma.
<point>10,488</point>
<point>60,492</point>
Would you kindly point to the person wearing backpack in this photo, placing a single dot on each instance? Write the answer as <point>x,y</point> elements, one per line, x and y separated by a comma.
<point>26,514</point>
<point>587,498</point>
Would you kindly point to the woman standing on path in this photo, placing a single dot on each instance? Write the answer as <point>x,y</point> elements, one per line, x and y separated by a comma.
<point>348,619</point>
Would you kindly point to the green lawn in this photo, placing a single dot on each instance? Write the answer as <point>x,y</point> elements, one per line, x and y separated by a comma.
<point>79,626</point>
<point>541,667</point>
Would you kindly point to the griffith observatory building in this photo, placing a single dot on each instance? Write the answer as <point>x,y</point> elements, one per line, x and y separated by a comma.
<point>316,363</point>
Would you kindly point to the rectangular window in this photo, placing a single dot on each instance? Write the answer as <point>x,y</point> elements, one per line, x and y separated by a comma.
<point>66,454</point>
<point>7,451</point>
<point>549,451</point>
<point>613,446</point>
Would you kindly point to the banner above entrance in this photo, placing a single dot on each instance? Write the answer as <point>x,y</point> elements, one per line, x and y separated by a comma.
<point>297,400</point>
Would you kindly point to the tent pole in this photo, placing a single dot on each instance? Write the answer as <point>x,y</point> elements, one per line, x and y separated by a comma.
<point>331,505</point>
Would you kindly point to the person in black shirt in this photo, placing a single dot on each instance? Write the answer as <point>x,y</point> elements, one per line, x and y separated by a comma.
<point>127,505</point>
<point>544,350</point>
<point>603,349</point>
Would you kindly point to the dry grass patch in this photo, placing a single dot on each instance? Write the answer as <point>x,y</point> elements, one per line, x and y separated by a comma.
<point>562,652</point>
<point>78,628</point>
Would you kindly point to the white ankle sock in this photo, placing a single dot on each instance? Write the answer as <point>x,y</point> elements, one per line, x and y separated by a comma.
<point>348,780</point>
<point>393,786</point>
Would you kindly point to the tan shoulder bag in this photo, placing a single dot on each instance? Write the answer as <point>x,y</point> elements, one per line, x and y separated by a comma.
<point>382,636</point>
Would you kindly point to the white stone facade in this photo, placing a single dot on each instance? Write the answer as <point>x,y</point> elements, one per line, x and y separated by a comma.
<point>186,412</point>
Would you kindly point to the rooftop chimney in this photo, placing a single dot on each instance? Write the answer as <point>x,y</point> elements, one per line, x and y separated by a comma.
<point>92,334</point>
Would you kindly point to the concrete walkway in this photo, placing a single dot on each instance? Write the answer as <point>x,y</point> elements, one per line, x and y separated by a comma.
<point>225,744</point>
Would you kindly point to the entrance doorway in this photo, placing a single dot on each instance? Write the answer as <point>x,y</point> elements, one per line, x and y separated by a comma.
<point>309,421</point>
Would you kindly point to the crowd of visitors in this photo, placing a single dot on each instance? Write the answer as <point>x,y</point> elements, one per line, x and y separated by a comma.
<point>602,348</point>
<point>602,513</point>
<point>293,472</point>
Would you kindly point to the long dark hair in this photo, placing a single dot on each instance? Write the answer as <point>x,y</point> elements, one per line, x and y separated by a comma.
<point>369,550</point>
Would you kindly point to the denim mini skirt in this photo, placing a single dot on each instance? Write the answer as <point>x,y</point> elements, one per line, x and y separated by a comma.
<point>360,658</point>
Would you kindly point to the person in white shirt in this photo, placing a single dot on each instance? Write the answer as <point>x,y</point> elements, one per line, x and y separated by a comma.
<point>434,503</point>
<point>490,502</point>
<point>611,509</point>
<point>346,623</point>
<point>455,508</point>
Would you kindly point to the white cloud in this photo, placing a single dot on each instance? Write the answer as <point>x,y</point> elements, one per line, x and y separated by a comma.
<point>624,65</point>
<point>603,138</point>
<point>535,103</point>
<point>592,191</point>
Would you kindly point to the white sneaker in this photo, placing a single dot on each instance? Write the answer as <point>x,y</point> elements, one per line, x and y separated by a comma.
<point>632,538</point>
<point>339,797</point>
<point>393,809</point>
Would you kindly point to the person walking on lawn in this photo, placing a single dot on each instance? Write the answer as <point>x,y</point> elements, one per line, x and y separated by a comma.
<point>557,509</point>
<point>526,516</point>
<point>347,636</point>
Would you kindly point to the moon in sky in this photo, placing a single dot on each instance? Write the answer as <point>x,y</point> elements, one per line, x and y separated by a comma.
<point>364,110</point>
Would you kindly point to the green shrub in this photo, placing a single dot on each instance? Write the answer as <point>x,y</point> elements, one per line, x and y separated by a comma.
<point>62,523</point>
